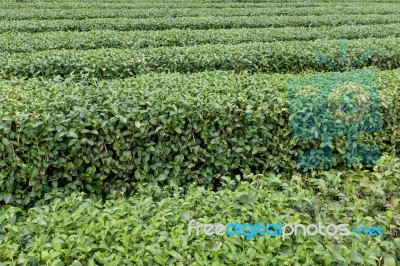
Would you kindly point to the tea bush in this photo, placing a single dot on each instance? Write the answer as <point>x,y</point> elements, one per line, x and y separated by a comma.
<point>29,42</point>
<point>120,122</point>
<point>94,12</point>
<point>166,128</point>
<point>277,57</point>
<point>150,228</point>
<point>204,22</point>
<point>49,5</point>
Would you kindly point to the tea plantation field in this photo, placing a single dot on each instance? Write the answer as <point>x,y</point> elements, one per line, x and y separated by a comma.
<point>123,121</point>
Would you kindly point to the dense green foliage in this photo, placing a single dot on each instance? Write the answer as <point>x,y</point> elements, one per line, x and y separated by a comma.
<point>32,4</point>
<point>121,121</point>
<point>276,57</point>
<point>168,128</point>
<point>28,13</point>
<point>29,42</point>
<point>204,22</point>
<point>151,227</point>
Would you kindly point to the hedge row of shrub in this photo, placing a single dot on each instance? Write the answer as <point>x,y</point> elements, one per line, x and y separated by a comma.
<point>206,22</point>
<point>282,57</point>
<point>29,13</point>
<point>151,227</point>
<point>192,4</point>
<point>28,42</point>
<point>336,2</point>
<point>146,5</point>
<point>164,128</point>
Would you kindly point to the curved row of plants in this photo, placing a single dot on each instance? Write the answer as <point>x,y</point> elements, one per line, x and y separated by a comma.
<point>171,129</point>
<point>29,42</point>
<point>282,57</point>
<point>205,22</point>
<point>355,2</point>
<point>150,228</point>
<point>66,5</point>
<point>28,13</point>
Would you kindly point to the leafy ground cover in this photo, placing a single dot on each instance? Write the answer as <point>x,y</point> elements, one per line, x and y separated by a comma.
<point>150,227</point>
<point>122,121</point>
